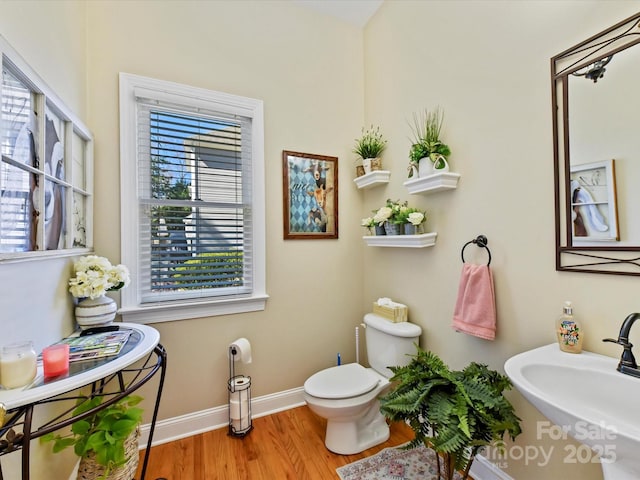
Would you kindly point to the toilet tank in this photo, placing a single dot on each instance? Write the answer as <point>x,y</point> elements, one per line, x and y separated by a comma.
<point>388,343</point>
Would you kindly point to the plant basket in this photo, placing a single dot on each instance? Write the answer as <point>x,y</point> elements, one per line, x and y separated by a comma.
<point>89,469</point>
<point>376,164</point>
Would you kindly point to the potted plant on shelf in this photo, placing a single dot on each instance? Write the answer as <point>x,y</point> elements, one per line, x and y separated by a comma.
<point>390,217</point>
<point>411,219</point>
<point>106,442</point>
<point>427,151</point>
<point>453,412</point>
<point>369,147</point>
<point>369,224</point>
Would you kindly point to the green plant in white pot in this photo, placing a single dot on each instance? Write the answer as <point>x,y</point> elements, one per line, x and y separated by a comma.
<point>453,412</point>
<point>369,147</point>
<point>426,142</point>
<point>106,442</point>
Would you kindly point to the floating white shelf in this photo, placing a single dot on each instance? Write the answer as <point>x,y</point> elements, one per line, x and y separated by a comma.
<point>407,241</point>
<point>433,183</point>
<point>373,179</point>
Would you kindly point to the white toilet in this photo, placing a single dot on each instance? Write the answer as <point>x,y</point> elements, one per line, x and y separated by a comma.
<point>347,395</point>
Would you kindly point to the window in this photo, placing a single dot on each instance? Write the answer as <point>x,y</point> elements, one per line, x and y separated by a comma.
<point>45,186</point>
<point>192,185</point>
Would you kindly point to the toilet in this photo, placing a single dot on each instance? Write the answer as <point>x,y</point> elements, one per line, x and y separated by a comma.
<point>347,395</point>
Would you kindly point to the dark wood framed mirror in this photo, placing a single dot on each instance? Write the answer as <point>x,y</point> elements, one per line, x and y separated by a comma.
<point>596,117</point>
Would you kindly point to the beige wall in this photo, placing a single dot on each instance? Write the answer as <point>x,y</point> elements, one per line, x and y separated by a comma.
<point>34,303</point>
<point>51,38</point>
<point>308,69</point>
<point>487,65</point>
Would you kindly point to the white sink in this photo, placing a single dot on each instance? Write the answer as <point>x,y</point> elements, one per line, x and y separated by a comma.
<point>586,396</point>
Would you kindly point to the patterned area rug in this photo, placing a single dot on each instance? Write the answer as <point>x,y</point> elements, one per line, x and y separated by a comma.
<point>394,464</point>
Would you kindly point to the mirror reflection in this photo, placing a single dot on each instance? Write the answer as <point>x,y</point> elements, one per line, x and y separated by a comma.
<point>602,115</point>
<point>597,152</point>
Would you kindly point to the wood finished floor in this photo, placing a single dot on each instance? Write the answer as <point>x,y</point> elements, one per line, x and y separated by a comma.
<point>285,445</point>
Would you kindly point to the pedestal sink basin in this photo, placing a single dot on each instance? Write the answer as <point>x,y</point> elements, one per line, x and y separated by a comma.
<point>585,395</point>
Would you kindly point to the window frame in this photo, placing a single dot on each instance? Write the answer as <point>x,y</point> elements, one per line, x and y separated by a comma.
<point>132,309</point>
<point>45,101</point>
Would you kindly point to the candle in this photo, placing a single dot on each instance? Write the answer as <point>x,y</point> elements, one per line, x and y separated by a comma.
<point>17,364</point>
<point>55,360</point>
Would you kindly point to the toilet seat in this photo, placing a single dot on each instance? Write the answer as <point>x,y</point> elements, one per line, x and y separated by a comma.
<point>345,381</point>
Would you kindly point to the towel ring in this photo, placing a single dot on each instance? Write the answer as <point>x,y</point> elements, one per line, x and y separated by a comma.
<point>481,241</point>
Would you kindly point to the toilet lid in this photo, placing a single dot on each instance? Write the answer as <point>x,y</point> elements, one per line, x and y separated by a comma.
<point>345,381</point>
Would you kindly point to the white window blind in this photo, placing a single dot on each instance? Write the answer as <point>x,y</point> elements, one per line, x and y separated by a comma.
<point>195,197</point>
<point>192,201</point>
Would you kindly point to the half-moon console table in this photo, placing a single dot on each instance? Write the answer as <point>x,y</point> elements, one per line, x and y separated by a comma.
<point>112,377</point>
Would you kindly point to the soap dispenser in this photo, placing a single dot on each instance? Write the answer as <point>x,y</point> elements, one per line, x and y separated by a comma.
<point>569,331</point>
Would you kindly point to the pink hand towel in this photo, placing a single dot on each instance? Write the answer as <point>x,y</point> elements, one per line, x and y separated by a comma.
<point>475,311</point>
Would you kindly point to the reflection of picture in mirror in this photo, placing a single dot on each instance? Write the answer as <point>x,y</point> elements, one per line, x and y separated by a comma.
<point>601,119</point>
<point>54,192</point>
<point>79,221</point>
<point>593,202</point>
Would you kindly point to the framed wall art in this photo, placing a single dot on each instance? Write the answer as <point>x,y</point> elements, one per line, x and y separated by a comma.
<point>593,203</point>
<point>310,196</point>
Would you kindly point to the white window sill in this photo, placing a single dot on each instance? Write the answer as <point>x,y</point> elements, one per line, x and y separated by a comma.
<point>43,255</point>
<point>169,312</point>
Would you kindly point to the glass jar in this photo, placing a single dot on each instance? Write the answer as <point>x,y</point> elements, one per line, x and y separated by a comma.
<point>17,364</point>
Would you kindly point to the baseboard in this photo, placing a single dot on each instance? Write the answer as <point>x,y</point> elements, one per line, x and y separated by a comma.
<point>218,417</point>
<point>483,469</point>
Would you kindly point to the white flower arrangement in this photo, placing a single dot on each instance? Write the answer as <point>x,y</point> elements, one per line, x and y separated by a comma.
<point>395,212</point>
<point>382,215</point>
<point>416,218</point>
<point>368,222</point>
<point>95,276</point>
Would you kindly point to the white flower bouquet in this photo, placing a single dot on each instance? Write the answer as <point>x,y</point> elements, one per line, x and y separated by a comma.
<point>95,276</point>
<point>415,218</point>
<point>382,215</point>
<point>392,212</point>
<point>396,213</point>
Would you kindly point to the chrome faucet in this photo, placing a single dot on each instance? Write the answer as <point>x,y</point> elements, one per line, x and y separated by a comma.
<point>627,363</point>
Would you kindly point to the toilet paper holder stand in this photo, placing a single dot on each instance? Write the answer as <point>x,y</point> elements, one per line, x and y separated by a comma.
<point>239,388</point>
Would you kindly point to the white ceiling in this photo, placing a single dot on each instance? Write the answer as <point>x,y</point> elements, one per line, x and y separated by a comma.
<point>357,12</point>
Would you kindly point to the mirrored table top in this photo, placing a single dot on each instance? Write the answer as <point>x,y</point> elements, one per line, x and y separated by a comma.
<point>142,341</point>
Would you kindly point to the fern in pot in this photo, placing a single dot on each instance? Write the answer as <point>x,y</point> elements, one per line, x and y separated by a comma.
<point>369,147</point>
<point>106,442</point>
<point>455,413</point>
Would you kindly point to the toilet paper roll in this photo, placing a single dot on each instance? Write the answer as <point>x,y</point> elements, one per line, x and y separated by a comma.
<point>239,383</point>
<point>240,425</point>
<point>242,349</point>
<point>238,408</point>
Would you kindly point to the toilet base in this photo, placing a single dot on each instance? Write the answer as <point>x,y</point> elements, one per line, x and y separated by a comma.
<point>348,437</point>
